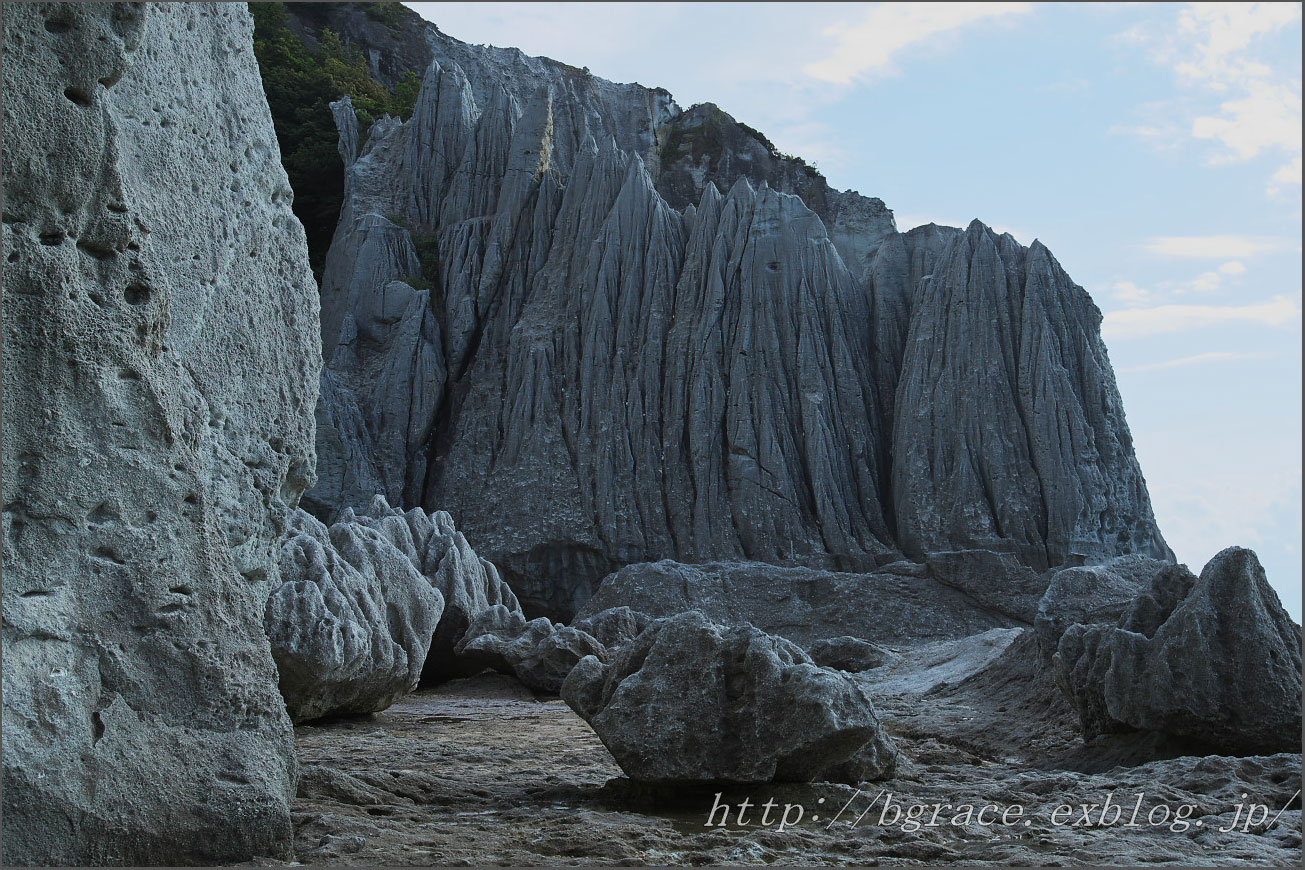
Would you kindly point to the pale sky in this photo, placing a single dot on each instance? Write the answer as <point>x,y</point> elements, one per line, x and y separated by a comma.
<point>1154,148</point>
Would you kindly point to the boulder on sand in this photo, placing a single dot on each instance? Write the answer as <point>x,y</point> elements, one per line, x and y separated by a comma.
<point>692,701</point>
<point>352,622</point>
<point>538,653</point>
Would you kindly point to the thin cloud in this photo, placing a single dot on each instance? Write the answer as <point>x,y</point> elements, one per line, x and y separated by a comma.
<point>1214,356</point>
<point>1267,117</point>
<point>1163,319</point>
<point>1216,247</point>
<point>889,29</point>
<point>1223,52</point>
<point>1128,293</point>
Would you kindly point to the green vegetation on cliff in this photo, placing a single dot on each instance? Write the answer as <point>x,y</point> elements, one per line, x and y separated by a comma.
<point>301,80</point>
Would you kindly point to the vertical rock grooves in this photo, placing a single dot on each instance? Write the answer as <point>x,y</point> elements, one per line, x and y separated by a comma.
<point>160,374</point>
<point>590,326</point>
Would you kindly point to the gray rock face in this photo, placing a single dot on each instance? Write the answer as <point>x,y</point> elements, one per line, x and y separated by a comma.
<point>1093,594</point>
<point>1009,433</point>
<point>541,312</point>
<point>352,622</point>
<point>802,604</point>
<point>996,580</point>
<point>375,604</point>
<point>1214,660</point>
<point>468,583</point>
<point>850,654</point>
<point>538,653</point>
<point>691,701</point>
<point>160,356</point>
<point>614,626</point>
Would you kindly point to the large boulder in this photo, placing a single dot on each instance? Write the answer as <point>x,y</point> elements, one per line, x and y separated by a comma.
<point>161,349</point>
<point>373,605</point>
<point>897,604</point>
<point>351,624</point>
<point>538,653</point>
<point>1092,594</point>
<point>436,549</point>
<point>693,701</point>
<point>1215,661</point>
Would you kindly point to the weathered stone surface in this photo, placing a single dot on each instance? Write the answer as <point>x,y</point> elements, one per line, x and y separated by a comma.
<point>616,362</point>
<point>1093,594</point>
<point>468,583</point>
<point>802,604</point>
<point>1010,433</point>
<point>500,747</point>
<point>850,654</point>
<point>689,700</point>
<point>161,346</point>
<point>1214,660</point>
<point>538,653</point>
<point>996,580</point>
<point>436,550</point>
<point>923,667</point>
<point>614,626</point>
<point>352,622</point>
<point>484,643</point>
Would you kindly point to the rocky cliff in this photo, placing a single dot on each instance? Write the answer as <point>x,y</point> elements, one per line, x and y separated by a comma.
<point>161,357</point>
<point>600,330</point>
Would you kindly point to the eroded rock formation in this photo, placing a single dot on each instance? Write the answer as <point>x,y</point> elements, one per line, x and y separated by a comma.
<point>846,653</point>
<point>161,349</point>
<point>539,653</point>
<point>1093,594</point>
<point>373,604</point>
<point>601,330</point>
<point>1214,660</point>
<point>614,626</point>
<point>352,622</point>
<point>692,701</point>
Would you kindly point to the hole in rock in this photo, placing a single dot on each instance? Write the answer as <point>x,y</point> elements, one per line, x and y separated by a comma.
<point>98,250</point>
<point>78,96</point>
<point>52,237</point>
<point>102,514</point>
<point>109,554</point>
<point>137,294</point>
<point>58,25</point>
